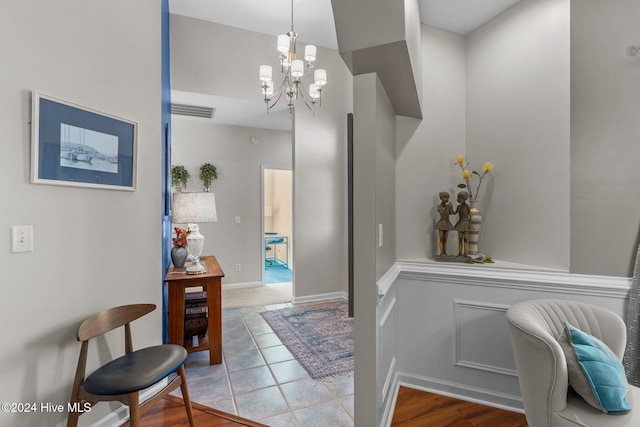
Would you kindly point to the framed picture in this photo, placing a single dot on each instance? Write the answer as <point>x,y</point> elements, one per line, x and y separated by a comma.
<point>81,147</point>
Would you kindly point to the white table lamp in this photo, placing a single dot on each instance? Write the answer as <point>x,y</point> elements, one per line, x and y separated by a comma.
<point>192,208</point>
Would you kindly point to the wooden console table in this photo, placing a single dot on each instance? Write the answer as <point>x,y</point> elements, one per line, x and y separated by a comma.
<point>177,281</point>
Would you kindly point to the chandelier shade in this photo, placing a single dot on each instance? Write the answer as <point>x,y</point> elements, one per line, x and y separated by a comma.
<point>295,71</point>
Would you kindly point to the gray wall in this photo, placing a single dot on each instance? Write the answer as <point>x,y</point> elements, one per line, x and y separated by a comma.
<point>518,92</point>
<point>547,95</point>
<point>499,95</point>
<point>237,189</point>
<point>92,248</point>
<point>605,130</point>
<point>374,130</point>
<point>426,149</point>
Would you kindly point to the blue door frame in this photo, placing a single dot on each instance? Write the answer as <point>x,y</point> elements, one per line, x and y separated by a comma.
<point>166,161</point>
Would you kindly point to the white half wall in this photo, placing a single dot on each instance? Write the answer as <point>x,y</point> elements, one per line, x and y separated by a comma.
<point>450,333</point>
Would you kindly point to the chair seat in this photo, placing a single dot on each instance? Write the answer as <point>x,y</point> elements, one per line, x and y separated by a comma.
<point>136,370</point>
<point>580,413</point>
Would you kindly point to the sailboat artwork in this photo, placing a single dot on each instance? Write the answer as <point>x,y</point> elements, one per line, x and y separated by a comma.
<point>88,149</point>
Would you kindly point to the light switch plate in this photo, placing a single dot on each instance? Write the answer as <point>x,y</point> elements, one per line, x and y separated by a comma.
<point>21,238</point>
<point>380,235</point>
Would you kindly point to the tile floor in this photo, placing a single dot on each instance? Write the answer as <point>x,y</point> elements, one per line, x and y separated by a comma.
<point>259,379</point>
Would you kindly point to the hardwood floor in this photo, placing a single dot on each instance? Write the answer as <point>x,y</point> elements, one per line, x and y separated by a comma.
<point>414,408</point>
<point>170,412</point>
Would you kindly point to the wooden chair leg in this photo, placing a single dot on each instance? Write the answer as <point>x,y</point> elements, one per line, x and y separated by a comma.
<point>134,410</point>
<point>185,395</point>
<point>72,419</point>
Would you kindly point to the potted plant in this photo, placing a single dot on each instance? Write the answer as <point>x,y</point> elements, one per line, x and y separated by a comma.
<point>208,174</point>
<point>179,177</point>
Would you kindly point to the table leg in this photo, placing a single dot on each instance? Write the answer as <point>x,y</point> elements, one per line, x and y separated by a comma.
<point>215,321</point>
<point>176,314</point>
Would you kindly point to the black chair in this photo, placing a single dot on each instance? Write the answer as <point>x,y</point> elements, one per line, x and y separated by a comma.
<point>123,378</point>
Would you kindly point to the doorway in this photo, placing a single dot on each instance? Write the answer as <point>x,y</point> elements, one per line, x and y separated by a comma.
<point>277,225</point>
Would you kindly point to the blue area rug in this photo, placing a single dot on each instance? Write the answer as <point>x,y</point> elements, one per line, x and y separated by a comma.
<point>277,273</point>
<point>319,336</point>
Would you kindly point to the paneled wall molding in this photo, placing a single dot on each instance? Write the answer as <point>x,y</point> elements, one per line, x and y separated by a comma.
<point>459,343</point>
<point>388,383</point>
<point>387,281</point>
<point>512,278</point>
<point>387,313</point>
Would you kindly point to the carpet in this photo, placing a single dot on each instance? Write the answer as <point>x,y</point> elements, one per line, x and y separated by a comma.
<point>319,336</point>
<point>277,273</point>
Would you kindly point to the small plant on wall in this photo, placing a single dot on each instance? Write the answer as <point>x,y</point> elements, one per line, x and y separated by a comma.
<point>179,177</point>
<point>208,174</point>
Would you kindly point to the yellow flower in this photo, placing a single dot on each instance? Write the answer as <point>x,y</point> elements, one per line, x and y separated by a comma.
<point>487,167</point>
<point>466,175</point>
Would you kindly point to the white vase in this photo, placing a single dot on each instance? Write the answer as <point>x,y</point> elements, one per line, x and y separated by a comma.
<point>474,228</point>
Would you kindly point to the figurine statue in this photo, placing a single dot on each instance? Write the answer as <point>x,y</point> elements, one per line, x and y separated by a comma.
<point>445,208</point>
<point>463,225</point>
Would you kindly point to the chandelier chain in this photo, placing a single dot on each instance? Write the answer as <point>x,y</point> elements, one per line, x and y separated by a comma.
<point>292,16</point>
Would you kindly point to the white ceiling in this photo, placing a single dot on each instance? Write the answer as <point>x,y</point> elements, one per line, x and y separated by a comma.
<point>461,16</point>
<point>313,21</point>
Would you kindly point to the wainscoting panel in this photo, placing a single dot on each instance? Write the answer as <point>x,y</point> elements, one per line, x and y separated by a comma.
<point>387,331</point>
<point>446,330</point>
<point>481,340</point>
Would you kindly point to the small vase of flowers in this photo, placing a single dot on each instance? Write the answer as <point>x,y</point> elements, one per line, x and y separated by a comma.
<point>476,218</point>
<point>179,250</point>
<point>467,174</point>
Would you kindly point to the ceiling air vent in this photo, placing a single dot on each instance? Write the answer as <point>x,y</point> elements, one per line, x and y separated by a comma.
<point>193,110</point>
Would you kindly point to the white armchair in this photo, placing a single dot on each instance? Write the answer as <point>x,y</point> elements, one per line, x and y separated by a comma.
<point>536,327</point>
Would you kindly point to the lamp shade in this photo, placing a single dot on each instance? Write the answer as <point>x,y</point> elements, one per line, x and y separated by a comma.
<point>283,43</point>
<point>297,68</point>
<point>268,90</point>
<point>320,77</point>
<point>193,208</point>
<point>314,91</point>
<point>265,73</point>
<point>310,53</point>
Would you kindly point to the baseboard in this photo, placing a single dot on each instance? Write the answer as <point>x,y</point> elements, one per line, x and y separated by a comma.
<point>478,395</point>
<point>320,297</point>
<point>119,416</point>
<point>242,285</point>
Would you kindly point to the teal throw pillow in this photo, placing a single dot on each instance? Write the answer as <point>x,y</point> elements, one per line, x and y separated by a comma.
<point>595,372</point>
